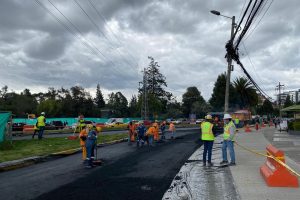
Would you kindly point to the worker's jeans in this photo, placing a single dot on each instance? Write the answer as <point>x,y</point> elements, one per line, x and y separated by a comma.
<point>41,132</point>
<point>90,147</point>
<point>208,145</point>
<point>230,145</point>
<point>150,140</point>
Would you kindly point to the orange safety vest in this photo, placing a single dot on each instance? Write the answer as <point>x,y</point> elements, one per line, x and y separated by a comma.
<point>82,133</point>
<point>151,131</point>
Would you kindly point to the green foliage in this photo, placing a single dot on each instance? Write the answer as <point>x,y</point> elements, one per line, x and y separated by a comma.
<point>266,108</point>
<point>193,102</point>
<point>217,99</point>
<point>118,104</point>
<point>296,126</point>
<point>134,108</point>
<point>247,96</point>
<point>99,100</point>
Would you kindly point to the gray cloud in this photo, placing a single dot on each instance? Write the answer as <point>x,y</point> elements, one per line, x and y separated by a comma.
<point>188,42</point>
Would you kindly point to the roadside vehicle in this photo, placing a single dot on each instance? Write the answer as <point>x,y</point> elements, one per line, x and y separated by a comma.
<point>116,125</point>
<point>199,121</point>
<point>57,124</point>
<point>17,126</point>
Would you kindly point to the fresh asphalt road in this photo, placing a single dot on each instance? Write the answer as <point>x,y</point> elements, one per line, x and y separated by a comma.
<point>58,135</point>
<point>127,173</point>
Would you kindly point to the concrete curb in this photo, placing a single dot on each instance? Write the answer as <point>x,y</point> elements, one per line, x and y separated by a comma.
<point>15,164</point>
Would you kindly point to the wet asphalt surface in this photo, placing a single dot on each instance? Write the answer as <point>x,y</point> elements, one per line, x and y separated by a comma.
<point>144,173</point>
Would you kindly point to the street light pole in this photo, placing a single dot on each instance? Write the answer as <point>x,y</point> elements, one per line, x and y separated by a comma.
<point>229,60</point>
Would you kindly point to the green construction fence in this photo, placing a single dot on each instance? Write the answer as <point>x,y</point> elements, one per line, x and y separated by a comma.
<point>4,118</point>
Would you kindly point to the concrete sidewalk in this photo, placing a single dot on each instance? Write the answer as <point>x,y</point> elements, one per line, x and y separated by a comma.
<point>246,175</point>
<point>242,181</point>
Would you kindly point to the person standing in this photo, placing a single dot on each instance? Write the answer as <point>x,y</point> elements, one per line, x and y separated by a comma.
<point>156,133</point>
<point>81,122</point>
<point>207,136</point>
<point>163,129</point>
<point>150,134</point>
<point>83,136</point>
<point>131,132</point>
<point>141,134</point>
<point>228,142</point>
<point>41,123</point>
<point>172,130</point>
<point>90,145</point>
<point>36,130</point>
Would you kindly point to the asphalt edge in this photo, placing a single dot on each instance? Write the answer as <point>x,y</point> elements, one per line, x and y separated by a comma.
<point>16,164</point>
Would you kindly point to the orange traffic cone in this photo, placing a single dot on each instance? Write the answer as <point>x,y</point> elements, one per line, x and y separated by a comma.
<point>247,128</point>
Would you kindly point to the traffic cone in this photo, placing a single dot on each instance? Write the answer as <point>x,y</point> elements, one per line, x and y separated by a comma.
<point>247,128</point>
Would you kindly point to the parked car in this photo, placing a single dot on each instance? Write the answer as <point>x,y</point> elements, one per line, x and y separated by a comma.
<point>116,125</point>
<point>18,126</point>
<point>57,124</point>
<point>199,121</point>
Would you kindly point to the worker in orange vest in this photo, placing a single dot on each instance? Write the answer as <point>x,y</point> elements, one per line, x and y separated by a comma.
<point>150,133</point>
<point>131,132</point>
<point>83,136</point>
<point>156,133</point>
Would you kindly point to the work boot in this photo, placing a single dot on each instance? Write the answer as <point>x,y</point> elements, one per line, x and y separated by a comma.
<point>224,162</point>
<point>210,164</point>
<point>232,164</point>
<point>204,164</point>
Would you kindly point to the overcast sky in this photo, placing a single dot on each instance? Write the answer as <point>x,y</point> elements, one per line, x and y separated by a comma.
<point>109,44</point>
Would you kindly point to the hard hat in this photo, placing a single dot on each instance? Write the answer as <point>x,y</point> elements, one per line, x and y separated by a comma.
<point>227,116</point>
<point>208,117</point>
<point>42,113</point>
<point>90,126</point>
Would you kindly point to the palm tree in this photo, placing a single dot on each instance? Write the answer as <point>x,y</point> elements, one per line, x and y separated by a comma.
<point>247,93</point>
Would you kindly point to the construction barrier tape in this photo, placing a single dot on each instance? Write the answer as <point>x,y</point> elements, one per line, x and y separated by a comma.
<point>277,159</point>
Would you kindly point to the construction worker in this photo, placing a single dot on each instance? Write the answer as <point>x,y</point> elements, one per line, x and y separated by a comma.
<point>81,122</point>
<point>237,122</point>
<point>229,133</point>
<point>150,134</point>
<point>172,130</point>
<point>41,123</point>
<point>131,132</point>
<point>83,136</point>
<point>207,136</point>
<point>36,130</point>
<point>90,145</point>
<point>141,134</point>
<point>163,129</point>
<point>156,134</point>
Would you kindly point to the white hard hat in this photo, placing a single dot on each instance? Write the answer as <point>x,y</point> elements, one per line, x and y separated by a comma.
<point>227,116</point>
<point>208,117</point>
<point>43,113</point>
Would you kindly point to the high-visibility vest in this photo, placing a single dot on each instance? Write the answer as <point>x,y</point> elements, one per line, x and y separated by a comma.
<point>151,131</point>
<point>41,121</point>
<point>237,121</point>
<point>206,129</point>
<point>81,123</point>
<point>227,127</point>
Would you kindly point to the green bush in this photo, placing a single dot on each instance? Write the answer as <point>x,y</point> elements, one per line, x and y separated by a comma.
<point>291,125</point>
<point>296,126</point>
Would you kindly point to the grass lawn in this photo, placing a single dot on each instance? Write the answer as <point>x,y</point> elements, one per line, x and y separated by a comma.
<point>27,148</point>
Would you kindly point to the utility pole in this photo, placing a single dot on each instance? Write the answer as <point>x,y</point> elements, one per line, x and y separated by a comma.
<point>144,107</point>
<point>278,88</point>
<point>229,69</point>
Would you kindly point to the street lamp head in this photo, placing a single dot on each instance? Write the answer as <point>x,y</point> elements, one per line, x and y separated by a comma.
<point>215,12</point>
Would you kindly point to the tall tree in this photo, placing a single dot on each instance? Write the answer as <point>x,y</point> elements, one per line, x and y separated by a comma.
<point>118,104</point>
<point>134,110</point>
<point>158,97</point>
<point>217,99</point>
<point>190,97</point>
<point>246,92</point>
<point>99,100</point>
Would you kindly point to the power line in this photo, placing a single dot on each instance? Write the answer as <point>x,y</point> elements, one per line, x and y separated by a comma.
<point>251,63</point>
<point>259,20</point>
<point>92,21</point>
<point>105,21</point>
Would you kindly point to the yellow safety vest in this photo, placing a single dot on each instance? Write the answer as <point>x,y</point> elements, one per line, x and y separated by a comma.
<point>206,129</point>
<point>41,121</point>
<point>226,134</point>
<point>81,122</point>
